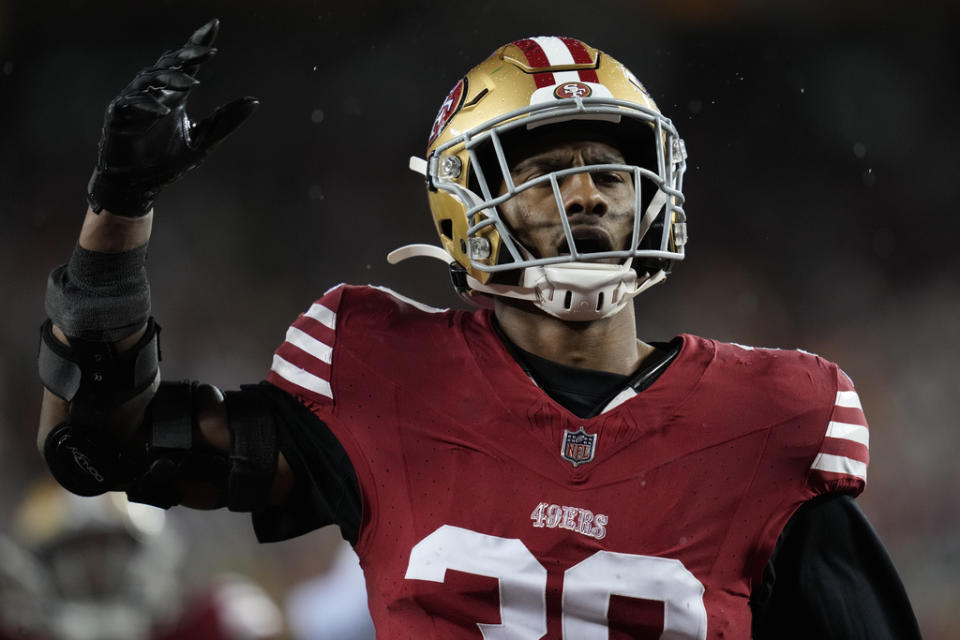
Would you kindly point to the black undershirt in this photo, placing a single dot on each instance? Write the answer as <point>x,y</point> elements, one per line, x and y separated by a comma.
<point>586,392</point>
<point>583,393</point>
<point>829,576</point>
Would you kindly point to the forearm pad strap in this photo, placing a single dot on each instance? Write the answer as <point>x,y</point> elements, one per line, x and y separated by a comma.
<point>172,458</point>
<point>93,376</point>
<point>253,449</point>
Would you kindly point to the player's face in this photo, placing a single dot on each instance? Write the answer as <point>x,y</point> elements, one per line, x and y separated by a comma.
<point>599,205</point>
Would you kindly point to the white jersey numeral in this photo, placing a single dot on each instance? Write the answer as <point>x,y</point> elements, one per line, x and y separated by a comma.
<point>587,586</point>
<point>523,580</point>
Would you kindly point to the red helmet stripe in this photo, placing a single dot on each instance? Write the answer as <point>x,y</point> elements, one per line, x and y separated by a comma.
<point>536,57</point>
<point>544,79</point>
<point>577,50</point>
<point>589,75</point>
<point>581,56</point>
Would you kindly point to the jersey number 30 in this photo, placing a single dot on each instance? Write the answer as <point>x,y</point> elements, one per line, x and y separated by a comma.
<point>587,586</point>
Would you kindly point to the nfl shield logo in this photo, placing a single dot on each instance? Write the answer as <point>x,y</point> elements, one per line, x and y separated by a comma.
<point>578,446</point>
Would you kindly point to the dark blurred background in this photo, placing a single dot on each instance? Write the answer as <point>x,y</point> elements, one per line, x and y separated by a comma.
<point>821,194</point>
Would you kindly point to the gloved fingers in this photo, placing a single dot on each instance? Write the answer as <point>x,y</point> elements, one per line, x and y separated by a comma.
<point>210,131</point>
<point>139,106</point>
<point>156,79</point>
<point>187,58</point>
<point>205,35</point>
<point>201,39</point>
<point>134,113</point>
<point>168,87</point>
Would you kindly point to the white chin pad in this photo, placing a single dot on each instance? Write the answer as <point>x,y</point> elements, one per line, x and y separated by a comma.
<point>581,291</point>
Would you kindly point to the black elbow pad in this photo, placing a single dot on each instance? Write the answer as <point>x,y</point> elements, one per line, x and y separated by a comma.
<point>80,461</point>
<point>164,457</point>
<point>152,467</point>
<point>95,379</point>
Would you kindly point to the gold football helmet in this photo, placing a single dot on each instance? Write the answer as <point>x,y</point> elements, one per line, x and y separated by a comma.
<point>114,566</point>
<point>525,90</point>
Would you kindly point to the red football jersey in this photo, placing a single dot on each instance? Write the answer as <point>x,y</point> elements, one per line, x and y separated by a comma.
<point>490,511</point>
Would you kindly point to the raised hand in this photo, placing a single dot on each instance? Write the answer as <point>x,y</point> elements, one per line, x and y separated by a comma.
<point>148,139</point>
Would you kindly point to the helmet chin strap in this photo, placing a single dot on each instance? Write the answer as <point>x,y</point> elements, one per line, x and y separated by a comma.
<point>576,291</point>
<point>573,291</point>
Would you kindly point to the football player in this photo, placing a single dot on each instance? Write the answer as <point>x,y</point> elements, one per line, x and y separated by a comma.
<point>114,570</point>
<point>531,469</point>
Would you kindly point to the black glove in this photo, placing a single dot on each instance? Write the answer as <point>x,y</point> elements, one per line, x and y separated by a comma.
<point>148,140</point>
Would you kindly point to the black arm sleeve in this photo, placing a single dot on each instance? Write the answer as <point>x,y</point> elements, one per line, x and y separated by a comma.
<point>325,489</point>
<point>830,578</point>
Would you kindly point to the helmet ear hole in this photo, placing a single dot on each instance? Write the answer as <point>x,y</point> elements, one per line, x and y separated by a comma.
<point>446,228</point>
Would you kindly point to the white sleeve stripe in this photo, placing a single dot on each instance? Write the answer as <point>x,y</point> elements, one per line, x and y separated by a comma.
<point>305,342</point>
<point>852,432</point>
<point>840,464</point>
<point>849,399</point>
<point>296,375</point>
<point>410,301</point>
<point>322,315</point>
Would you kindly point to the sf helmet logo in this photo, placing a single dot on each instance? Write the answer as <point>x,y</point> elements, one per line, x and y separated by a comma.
<point>449,107</point>
<point>572,90</point>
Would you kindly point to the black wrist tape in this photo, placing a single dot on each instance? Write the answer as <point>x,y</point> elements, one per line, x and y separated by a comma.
<point>100,297</point>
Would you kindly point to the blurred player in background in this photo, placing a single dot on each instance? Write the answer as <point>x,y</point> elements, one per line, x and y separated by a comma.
<point>530,470</point>
<point>333,604</point>
<point>113,570</point>
<point>25,595</point>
